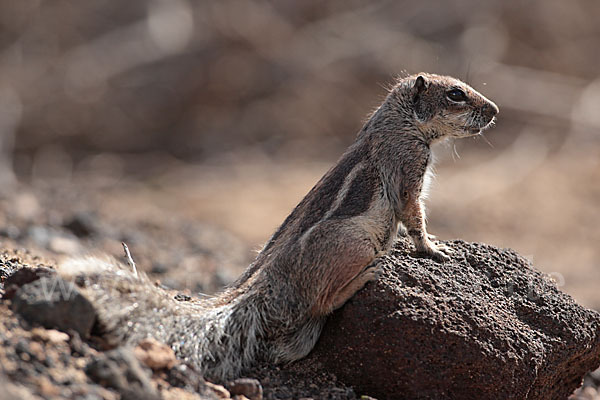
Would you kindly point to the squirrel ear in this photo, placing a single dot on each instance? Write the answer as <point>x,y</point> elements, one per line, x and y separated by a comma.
<point>420,85</point>
<point>421,110</point>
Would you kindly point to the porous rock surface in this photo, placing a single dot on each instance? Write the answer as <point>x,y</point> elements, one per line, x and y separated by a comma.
<point>486,325</point>
<point>55,303</point>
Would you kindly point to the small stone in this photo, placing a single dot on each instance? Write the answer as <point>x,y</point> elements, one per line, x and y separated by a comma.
<point>49,335</point>
<point>55,303</point>
<point>36,350</point>
<point>120,369</point>
<point>155,355</point>
<point>79,347</point>
<point>47,389</point>
<point>219,390</point>
<point>178,394</point>
<point>182,376</point>
<point>251,388</point>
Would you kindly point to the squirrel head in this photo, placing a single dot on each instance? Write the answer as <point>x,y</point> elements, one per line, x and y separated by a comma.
<point>444,107</point>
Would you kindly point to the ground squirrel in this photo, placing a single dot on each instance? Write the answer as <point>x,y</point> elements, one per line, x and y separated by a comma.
<point>318,258</point>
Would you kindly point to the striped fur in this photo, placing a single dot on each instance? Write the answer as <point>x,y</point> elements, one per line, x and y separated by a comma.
<point>321,254</point>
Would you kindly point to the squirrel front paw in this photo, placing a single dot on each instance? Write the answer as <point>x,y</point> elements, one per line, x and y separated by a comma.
<point>438,252</point>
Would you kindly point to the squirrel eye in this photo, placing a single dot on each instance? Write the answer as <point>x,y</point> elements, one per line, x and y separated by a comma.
<point>456,95</point>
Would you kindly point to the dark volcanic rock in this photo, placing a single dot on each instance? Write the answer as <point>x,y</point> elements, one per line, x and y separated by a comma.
<point>55,303</point>
<point>120,369</point>
<point>24,276</point>
<point>484,325</point>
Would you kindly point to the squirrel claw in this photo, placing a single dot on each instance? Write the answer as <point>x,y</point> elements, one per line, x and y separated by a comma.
<point>372,272</point>
<point>402,231</point>
<point>440,256</point>
<point>438,252</point>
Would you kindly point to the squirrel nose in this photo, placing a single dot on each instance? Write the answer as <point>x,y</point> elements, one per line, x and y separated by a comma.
<point>490,110</point>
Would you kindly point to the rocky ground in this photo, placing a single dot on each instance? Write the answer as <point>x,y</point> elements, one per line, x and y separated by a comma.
<point>42,225</point>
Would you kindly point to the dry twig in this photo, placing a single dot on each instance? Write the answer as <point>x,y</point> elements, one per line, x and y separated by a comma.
<point>129,258</point>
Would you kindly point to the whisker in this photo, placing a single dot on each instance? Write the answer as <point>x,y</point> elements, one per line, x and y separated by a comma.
<point>486,139</point>
<point>455,152</point>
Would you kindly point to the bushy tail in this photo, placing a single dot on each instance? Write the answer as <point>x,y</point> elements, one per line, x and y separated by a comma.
<point>219,340</point>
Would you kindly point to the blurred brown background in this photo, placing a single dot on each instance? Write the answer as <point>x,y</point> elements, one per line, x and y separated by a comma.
<point>229,111</point>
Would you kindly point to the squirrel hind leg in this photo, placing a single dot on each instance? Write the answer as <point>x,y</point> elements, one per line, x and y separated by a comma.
<point>299,343</point>
<point>370,273</point>
<point>343,267</point>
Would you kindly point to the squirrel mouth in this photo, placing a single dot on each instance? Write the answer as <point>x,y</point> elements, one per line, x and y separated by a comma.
<point>476,130</point>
